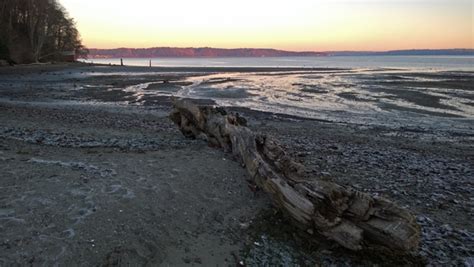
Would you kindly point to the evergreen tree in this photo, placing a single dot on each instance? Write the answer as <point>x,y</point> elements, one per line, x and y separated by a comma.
<point>36,30</point>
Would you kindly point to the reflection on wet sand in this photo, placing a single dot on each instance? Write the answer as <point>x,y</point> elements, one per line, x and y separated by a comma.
<point>361,96</point>
<point>368,96</point>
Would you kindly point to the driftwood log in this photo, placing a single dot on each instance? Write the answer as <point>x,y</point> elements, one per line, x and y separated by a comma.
<point>353,219</point>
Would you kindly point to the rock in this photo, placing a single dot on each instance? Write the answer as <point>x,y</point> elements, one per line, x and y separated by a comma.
<point>244,226</point>
<point>469,262</point>
<point>218,217</point>
<point>447,229</point>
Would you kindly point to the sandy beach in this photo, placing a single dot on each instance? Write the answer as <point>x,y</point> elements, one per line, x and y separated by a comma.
<point>95,174</point>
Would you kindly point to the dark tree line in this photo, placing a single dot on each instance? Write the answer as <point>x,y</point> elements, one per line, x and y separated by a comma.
<point>36,30</point>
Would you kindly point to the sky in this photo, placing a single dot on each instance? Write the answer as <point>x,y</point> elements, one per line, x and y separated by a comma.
<point>298,25</point>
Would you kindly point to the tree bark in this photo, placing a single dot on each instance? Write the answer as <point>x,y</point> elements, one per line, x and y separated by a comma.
<point>353,219</point>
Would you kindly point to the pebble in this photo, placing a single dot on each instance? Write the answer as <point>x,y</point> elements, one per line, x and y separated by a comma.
<point>469,262</point>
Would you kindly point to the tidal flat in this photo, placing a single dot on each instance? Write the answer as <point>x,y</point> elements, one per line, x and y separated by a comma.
<point>93,172</point>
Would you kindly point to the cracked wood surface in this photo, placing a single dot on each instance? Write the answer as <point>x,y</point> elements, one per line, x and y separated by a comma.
<point>353,219</point>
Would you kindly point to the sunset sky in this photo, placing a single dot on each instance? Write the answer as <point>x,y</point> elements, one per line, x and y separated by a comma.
<point>317,25</point>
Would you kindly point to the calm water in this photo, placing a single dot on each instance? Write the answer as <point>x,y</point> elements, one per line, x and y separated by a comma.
<point>419,62</point>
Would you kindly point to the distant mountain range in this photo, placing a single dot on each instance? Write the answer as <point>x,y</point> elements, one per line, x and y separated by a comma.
<point>411,52</point>
<point>194,52</point>
<point>158,52</point>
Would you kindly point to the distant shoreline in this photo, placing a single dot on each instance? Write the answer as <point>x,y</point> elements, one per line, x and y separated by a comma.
<point>173,52</point>
<point>170,57</point>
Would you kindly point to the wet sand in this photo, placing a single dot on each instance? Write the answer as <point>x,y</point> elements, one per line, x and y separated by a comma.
<point>89,178</point>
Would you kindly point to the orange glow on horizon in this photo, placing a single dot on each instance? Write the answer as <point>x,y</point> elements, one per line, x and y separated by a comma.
<point>299,25</point>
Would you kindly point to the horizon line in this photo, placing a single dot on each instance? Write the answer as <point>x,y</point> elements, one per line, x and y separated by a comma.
<point>266,48</point>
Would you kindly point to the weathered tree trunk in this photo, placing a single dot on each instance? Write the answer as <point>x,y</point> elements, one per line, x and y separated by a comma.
<point>354,219</point>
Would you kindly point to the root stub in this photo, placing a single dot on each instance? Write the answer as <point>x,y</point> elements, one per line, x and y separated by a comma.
<point>353,219</point>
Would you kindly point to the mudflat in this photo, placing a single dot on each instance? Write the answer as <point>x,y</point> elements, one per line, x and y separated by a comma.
<point>94,174</point>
